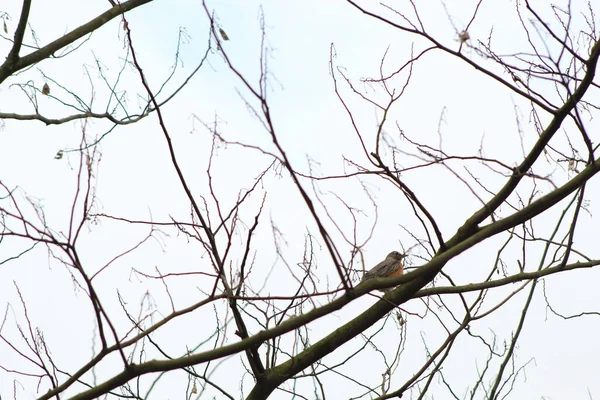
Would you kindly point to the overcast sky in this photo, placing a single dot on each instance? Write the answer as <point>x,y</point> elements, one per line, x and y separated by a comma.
<point>446,102</point>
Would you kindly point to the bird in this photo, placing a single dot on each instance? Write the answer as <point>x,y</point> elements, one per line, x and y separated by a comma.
<point>391,266</point>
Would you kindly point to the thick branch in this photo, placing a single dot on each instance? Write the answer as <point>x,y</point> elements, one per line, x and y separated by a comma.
<point>420,277</point>
<point>15,63</point>
<point>414,280</point>
<point>19,33</point>
<point>536,151</point>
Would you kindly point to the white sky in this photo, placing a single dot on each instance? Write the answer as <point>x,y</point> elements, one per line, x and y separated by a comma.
<point>135,180</point>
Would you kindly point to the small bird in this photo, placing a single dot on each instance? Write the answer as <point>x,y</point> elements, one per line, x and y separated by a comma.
<point>391,266</point>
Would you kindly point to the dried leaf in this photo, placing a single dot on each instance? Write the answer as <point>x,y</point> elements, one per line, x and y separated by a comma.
<point>5,27</point>
<point>59,155</point>
<point>223,34</point>
<point>194,389</point>
<point>46,89</point>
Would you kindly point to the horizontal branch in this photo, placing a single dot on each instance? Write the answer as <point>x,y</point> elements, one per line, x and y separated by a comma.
<point>58,121</point>
<point>523,276</point>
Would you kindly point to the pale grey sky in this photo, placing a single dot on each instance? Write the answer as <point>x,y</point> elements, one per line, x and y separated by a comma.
<point>447,101</point>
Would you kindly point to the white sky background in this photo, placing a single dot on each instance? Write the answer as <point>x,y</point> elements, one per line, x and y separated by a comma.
<point>135,180</point>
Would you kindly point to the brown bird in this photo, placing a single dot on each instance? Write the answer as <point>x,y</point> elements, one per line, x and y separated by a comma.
<point>391,266</point>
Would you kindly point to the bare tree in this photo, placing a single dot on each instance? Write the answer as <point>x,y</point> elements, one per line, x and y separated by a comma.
<point>206,297</point>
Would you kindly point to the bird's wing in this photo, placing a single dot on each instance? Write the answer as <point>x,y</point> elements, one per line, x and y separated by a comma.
<point>376,270</point>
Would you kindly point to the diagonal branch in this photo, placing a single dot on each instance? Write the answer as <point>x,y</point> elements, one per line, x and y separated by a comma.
<point>252,353</point>
<point>413,282</point>
<point>15,63</point>
<point>19,33</point>
<point>519,172</point>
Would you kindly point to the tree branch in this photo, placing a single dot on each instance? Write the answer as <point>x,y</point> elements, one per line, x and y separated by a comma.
<point>15,63</point>
<point>19,33</point>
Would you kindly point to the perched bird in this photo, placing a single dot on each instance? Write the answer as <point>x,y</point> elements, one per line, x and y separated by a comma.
<point>391,266</point>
